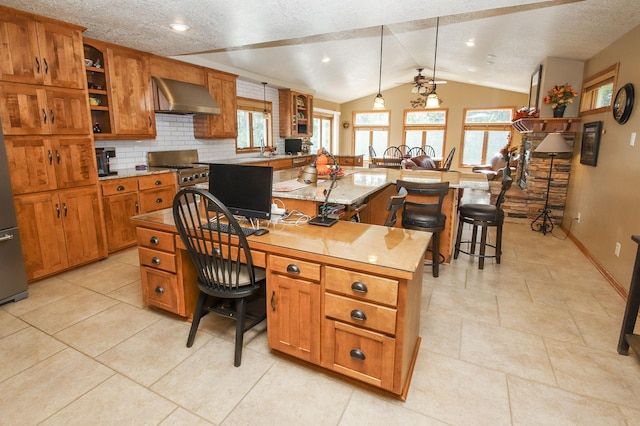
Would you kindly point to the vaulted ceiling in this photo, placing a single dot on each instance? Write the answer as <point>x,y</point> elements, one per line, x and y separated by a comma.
<point>283,42</point>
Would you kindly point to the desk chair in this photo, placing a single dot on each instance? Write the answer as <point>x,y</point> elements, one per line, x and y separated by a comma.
<point>426,214</point>
<point>227,278</point>
<point>483,216</point>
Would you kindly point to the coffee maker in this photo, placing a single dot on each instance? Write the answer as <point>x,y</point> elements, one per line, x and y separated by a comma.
<point>102,160</point>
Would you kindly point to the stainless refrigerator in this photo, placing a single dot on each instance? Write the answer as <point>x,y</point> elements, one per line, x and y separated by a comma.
<point>13,277</point>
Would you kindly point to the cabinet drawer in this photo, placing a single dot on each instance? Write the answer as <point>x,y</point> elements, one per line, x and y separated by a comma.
<point>361,354</point>
<point>157,259</point>
<point>346,161</point>
<point>362,286</point>
<point>118,186</point>
<point>156,181</point>
<point>294,267</point>
<point>159,240</point>
<point>160,289</point>
<point>156,199</point>
<point>361,314</point>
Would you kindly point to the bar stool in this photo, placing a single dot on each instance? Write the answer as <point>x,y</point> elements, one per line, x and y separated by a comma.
<point>483,216</point>
<point>425,214</point>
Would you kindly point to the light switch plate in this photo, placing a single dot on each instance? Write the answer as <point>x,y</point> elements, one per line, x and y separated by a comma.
<point>632,140</point>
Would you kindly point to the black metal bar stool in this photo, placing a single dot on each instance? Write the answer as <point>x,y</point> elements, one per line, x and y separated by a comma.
<point>423,211</point>
<point>483,216</point>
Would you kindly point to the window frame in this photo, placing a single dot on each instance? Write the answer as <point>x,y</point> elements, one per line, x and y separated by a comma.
<point>255,106</point>
<point>426,127</point>
<point>592,84</point>
<point>369,127</point>
<point>486,127</point>
<point>318,134</point>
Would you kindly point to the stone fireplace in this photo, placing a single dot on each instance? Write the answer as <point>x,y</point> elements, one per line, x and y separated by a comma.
<point>526,198</point>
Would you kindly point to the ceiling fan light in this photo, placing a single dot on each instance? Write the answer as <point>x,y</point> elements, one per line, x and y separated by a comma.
<point>422,90</point>
<point>415,89</point>
<point>433,101</point>
<point>378,102</point>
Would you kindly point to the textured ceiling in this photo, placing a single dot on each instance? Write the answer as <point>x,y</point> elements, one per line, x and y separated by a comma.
<point>283,41</point>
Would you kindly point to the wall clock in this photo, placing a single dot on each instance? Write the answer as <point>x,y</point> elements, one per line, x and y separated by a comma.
<point>623,103</point>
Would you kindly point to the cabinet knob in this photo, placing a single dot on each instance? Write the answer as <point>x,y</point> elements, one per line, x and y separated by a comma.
<point>293,269</point>
<point>120,188</point>
<point>359,287</point>
<point>159,290</point>
<point>357,354</point>
<point>154,240</point>
<point>358,315</point>
<point>155,260</point>
<point>159,200</point>
<point>158,182</point>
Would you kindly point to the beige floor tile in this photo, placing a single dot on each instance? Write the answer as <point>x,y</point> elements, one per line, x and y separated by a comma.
<point>464,303</point>
<point>562,296</point>
<point>537,404</point>
<point>68,310</point>
<point>599,331</point>
<point>541,320</point>
<point>153,352</point>
<point>117,401</point>
<point>457,392</point>
<point>369,409</point>
<point>42,293</point>
<point>37,393</point>
<point>512,352</point>
<point>24,349</point>
<point>441,333</point>
<point>504,284</point>
<point>313,398</point>
<point>10,324</point>
<point>181,417</point>
<point>106,329</point>
<point>106,278</point>
<point>590,372</point>
<point>208,385</point>
<point>130,293</point>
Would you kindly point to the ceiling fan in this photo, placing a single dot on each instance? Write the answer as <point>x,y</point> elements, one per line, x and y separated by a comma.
<point>423,84</point>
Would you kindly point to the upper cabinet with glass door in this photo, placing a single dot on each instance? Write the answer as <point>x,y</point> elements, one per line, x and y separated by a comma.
<point>296,114</point>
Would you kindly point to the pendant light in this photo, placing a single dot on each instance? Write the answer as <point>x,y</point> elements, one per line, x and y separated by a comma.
<point>432,98</point>
<point>378,102</point>
<point>265,111</point>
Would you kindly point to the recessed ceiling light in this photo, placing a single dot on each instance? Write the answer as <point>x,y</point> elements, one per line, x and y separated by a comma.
<point>325,60</point>
<point>179,27</point>
<point>491,59</point>
<point>470,42</point>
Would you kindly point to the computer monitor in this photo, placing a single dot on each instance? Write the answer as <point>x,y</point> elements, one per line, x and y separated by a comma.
<point>245,190</point>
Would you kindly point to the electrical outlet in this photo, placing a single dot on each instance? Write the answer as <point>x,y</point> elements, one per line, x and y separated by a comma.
<point>617,251</point>
<point>578,218</point>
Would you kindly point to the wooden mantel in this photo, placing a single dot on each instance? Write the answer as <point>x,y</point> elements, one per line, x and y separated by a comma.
<point>547,125</point>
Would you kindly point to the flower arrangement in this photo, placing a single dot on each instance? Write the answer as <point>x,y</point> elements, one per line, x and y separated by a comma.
<point>525,112</point>
<point>508,151</point>
<point>560,95</point>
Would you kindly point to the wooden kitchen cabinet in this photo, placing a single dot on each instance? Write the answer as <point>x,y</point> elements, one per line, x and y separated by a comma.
<point>222,87</point>
<point>177,70</point>
<point>41,110</point>
<point>43,164</point>
<point>293,298</point>
<point>60,229</point>
<point>123,198</point>
<point>38,50</point>
<point>296,114</point>
<point>129,79</point>
<point>99,101</point>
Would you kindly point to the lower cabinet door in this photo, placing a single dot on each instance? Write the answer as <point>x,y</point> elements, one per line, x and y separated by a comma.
<point>361,354</point>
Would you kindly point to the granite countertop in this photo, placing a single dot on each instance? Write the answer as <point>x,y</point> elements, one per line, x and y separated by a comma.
<point>252,158</point>
<point>127,173</point>
<point>358,183</point>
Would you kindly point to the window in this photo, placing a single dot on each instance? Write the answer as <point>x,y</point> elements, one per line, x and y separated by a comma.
<point>486,132</point>
<point>597,91</point>
<point>370,128</point>
<point>254,127</point>
<point>322,132</point>
<point>425,127</point>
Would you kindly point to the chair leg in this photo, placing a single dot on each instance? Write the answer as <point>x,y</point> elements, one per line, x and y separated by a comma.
<point>498,243</point>
<point>474,238</point>
<point>436,254</point>
<point>483,246</point>
<point>458,239</point>
<point>202,298</point>
<point>241,311</point>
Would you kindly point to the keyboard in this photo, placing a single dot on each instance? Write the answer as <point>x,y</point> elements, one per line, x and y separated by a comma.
<point>223,227</point>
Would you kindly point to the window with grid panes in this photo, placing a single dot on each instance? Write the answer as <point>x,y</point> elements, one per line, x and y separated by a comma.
<point>254,127</point>
<point>425,127</point>
<point>370,129</point>
<point>486,132</point>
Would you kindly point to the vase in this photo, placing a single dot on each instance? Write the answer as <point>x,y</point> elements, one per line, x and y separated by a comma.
<point>558,112</point>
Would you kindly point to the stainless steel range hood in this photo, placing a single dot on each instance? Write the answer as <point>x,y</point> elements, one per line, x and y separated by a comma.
<point>179,97</point>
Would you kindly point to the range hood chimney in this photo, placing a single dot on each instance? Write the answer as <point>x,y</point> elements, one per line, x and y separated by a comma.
<point>179,97</point>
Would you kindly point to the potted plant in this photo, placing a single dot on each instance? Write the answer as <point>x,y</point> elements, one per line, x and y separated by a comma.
<point>559,96</point>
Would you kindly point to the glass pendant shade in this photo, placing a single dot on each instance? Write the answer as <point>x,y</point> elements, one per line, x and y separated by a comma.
<point>433,101</point>
<point>378,102</point>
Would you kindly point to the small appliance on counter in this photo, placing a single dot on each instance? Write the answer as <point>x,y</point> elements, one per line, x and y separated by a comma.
<point>292,146</point>
<point>102,159</point>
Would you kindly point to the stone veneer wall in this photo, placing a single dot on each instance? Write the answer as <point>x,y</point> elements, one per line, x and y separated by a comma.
<point>526,203</point>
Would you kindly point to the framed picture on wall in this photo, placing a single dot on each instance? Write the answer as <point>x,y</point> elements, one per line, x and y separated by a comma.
<point>590,143</point>
<point>534,88</point>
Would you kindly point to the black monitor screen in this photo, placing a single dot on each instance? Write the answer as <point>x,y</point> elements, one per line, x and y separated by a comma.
<point>244,190</point>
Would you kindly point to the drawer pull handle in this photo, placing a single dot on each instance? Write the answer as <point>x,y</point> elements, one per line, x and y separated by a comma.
<point>159,290</point>
<point>293,269</point>
<point>359,287</point>
<point>154,240</point>
<point>159,200</point>
<point>357,354</point>
<point>358,315</point>
<point>120,188</point>
<point>155,260</point>
<point>273,301</point>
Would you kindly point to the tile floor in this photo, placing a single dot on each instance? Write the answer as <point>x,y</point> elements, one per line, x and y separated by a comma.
<point>530,341</point>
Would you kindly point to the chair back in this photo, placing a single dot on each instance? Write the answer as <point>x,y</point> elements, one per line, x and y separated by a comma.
<point>506,185</point>
<point>404,149</point>
<point>392,152</point>
<point>429,150</point>
<point>221,258</point>
<point>372,152</point>
<point>416,151</point>
<point>393,205</point>
<point>447,163</point>
<point>428,210</point>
